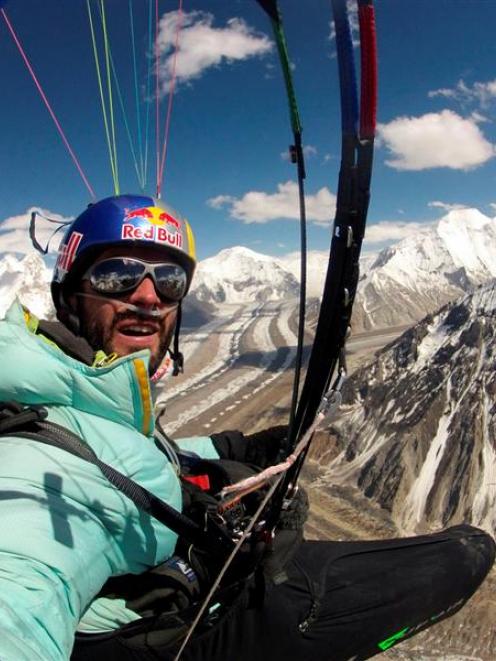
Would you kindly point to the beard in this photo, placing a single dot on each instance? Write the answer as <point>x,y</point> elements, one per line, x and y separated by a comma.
<point>100,337</point>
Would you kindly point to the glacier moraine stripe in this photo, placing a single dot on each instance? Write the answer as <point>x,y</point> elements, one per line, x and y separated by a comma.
<point>144,389</point>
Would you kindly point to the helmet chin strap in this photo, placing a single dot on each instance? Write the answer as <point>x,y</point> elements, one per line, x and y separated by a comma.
<point>176,355</point>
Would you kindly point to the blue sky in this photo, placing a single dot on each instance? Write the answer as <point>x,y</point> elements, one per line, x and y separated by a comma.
<point>225,167</point>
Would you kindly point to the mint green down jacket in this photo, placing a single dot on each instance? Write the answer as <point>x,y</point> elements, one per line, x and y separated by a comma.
<point>64,530</point>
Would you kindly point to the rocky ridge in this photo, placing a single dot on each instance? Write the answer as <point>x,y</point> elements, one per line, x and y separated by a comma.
<point>417,431</point>
<point>427,270</point>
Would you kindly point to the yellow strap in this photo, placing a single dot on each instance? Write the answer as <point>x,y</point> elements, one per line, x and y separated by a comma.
<point>191,240</point>
<point>30,320</point>
<point>144,389</point>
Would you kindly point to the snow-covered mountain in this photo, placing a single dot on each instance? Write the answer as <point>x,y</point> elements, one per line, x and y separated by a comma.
<point>240,275</point>
<point>317,262</point>
<point>423,272</point>
<point>398,287</point>
<point>29,279</point>
<point>418,431</point>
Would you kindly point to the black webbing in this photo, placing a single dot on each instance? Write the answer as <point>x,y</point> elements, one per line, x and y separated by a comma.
<point>27,423</point>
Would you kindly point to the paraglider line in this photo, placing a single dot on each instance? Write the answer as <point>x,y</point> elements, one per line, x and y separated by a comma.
<point>109,93</point>
<point>47,103</point>
<point>102,96</point>
<point>136,95</point>
<point>157,101</point>
<point>148,89</point>
<point>171,94</point>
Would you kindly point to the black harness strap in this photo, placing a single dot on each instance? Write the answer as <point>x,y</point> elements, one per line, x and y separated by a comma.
<point>30,422</point>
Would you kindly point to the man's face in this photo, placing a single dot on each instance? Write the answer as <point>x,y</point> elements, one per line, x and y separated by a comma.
<point>109,325</point>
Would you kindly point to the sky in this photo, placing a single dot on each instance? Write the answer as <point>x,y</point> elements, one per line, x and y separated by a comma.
<point>226,166</point>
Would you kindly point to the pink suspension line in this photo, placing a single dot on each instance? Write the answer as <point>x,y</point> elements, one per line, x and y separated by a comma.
<point>43,96</point>
<point>171,94</point>
<point>157,101</point>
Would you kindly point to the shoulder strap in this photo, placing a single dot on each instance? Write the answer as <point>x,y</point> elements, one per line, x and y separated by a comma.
<point>30,422</point>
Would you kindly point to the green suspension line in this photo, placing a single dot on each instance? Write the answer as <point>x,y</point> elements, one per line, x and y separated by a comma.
<point>102,97</point>
<point>110,96</point>
<point>286,68</point>
<point>126,121</point>
<point>141,178</point>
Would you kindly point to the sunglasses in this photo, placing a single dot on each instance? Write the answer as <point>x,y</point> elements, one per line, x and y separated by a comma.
<point>117,275</point>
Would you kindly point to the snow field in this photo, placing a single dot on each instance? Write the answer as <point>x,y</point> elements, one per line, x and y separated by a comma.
<point>227,352</point>
<point>415,502</point>
<point>261,319</point>
<point>484,502</point>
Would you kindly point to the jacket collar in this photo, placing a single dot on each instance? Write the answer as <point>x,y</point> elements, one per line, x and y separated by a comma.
<point>45,363</point>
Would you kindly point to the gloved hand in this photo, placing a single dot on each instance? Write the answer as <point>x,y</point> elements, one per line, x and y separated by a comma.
<point>288,536</point>
<point>260,449</point>
<point>295,511</point>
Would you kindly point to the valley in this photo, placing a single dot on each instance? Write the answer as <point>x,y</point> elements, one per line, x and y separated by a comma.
<point>238,376</point>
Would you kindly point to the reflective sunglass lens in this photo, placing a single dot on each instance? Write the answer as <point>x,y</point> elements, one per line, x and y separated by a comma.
<point>171,281</point>
<point>118,275</point>
<point>113,276</point>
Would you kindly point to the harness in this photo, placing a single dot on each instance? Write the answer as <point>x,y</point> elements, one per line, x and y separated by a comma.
<point>173,591</point>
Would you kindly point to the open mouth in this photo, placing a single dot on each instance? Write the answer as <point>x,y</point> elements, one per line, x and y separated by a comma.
<point>138,330</point>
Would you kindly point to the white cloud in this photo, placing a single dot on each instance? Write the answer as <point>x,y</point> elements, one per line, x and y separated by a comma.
<point>493,205</point>
<point>352,8</point>
<point>261,207</point>
<point>220,201</point>
<point>435,140</point>
<point>482,93</point>
<point>437,204</point>
<point>14,232</point>
<point>478,118</point>
<point>308,152</point>
<point>392,231</point>
<point>202,46</point>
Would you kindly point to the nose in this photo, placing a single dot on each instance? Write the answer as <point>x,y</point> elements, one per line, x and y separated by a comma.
<point>145,294</point>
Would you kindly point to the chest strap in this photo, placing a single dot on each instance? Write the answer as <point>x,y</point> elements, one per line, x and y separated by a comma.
<point>30,422</point>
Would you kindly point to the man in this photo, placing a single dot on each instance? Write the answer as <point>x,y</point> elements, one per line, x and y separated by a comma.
<point>124,266</point>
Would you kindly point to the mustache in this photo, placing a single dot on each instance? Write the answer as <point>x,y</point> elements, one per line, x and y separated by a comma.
<point>132,311</point>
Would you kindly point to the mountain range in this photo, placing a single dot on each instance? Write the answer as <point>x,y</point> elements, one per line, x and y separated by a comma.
<point>29,278</point>
<point>418,274</point>
<point>416,432</point>
<point>417,429</point>
<point>425,271</point>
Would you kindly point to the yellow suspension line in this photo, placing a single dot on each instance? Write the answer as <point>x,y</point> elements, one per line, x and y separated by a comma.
<point>110,96</point>
<point>102,98</point>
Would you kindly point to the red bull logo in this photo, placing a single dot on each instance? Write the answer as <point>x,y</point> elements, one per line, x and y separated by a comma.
<point>164,228</point>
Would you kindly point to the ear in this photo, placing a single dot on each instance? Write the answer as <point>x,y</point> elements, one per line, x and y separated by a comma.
<point>72,302</point>
<point>70,312</point>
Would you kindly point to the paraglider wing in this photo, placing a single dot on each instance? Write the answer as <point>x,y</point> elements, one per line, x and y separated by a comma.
<point>270,7</point>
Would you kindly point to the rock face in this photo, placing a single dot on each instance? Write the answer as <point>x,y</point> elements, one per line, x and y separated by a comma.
<point>421,273</point>
<point>419,424</point>
<point>29,279</point>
